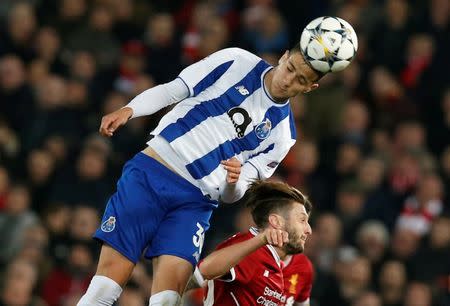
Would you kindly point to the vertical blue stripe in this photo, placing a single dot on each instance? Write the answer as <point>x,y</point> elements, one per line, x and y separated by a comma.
<point>206,164</point>
<point>217,106</point>
<point>292,126</point>
<point>212,77</point>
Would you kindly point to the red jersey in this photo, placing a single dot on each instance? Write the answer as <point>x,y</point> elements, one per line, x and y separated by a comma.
<point>256,280</point>
<point>298,279</point>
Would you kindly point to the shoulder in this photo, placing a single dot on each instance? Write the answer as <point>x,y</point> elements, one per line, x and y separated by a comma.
<point>302,263</point>
<point>303,260</point>
<point>238,54</point>
<point>236,238</point>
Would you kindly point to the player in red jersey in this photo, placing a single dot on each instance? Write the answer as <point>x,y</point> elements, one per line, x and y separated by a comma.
<point>247,269</point>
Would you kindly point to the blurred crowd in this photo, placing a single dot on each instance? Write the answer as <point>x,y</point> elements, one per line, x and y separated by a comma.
<point>373,149</point>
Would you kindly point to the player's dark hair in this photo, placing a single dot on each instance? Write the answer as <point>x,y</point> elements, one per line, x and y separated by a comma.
<point>266,197</point>
<point>298,49</point>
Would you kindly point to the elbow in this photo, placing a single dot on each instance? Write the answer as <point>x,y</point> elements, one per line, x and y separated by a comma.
<point>232,194</point>
<point>228,200</point>
<point>210,270</point>
<point>205,271</point>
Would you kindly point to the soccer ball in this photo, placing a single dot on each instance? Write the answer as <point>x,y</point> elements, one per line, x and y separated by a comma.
<point>329,44</point>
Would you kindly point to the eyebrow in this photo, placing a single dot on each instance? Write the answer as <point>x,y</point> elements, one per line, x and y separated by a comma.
<point>301,77</point>
<point>292,65</point>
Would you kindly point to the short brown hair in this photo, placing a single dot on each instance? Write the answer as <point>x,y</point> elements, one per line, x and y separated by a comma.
<point>298,48</point>
<point>266,197</point>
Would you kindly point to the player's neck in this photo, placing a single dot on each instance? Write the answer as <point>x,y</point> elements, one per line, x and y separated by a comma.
<point>282,254</point>
<point>268,85</point>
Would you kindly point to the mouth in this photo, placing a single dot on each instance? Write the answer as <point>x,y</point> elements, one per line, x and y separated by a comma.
<point>282,88</point>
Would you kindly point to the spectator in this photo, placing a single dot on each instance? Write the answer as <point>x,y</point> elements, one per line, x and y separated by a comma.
<point>15,219</point>
<point>367,299</point>
<point>418,294</point>
<point>20,280</point>
<point>70,279</point>
<point>423,207</point>
<point>372,239</point>
<point>392,283</point>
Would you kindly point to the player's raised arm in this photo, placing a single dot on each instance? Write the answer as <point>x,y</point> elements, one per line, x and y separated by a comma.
<point>146,103</point>
<point>259,167</point>
<point>112,121</point>
<point>220,262</point>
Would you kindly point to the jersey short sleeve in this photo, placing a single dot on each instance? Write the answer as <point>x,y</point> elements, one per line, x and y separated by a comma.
<point>207,71</point>
<point>243,271</point>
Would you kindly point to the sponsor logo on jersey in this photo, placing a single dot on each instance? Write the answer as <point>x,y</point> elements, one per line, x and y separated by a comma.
<point>290,301</point>
<point>269,297</point>
<point>109,225</point>
<point>273,164</point>
<point>241,119</point>
<point>262,130</point>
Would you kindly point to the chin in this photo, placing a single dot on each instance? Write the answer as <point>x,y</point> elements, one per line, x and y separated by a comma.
<point>294,249</point>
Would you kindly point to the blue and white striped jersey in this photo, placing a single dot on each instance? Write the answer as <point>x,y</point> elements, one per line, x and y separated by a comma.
<point>228,113</point>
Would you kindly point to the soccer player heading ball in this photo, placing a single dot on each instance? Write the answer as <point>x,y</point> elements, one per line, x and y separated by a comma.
<point>232,124</point>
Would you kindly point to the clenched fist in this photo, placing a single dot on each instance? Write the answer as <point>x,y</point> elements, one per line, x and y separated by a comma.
<point>233,167</point>
<point>111,122</point>
<point>275,237</point>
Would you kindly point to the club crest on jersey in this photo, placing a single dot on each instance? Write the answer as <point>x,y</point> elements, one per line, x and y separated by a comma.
<point>109,225</point>
<point>262,130</point>
<point>294,281</point>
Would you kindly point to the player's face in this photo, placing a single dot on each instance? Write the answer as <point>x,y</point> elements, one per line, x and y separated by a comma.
<point>298,228</point>
<point>292,76</point>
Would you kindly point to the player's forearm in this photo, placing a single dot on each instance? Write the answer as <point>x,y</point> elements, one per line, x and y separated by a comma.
<point>221,261</point>
<point>230,193</point>
<point>152,100</point>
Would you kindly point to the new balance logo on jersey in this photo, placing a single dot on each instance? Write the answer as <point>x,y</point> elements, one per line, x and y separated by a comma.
<point>242,90</point>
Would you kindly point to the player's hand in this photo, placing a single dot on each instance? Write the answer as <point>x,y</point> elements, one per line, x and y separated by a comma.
<point>275,237</point>
<point>111,122</point>
<point>233,167</point>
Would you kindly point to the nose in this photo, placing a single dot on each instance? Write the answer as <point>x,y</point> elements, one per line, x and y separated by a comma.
<point>289,79</point>
<point>308,230</point>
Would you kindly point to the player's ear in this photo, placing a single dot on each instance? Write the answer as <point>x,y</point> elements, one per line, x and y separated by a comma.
<point>276,221</point>
<point>312,87</point>
<point>284,57</point>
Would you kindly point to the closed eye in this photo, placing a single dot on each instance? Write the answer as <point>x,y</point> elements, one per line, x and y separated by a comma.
<point>302,80</point>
